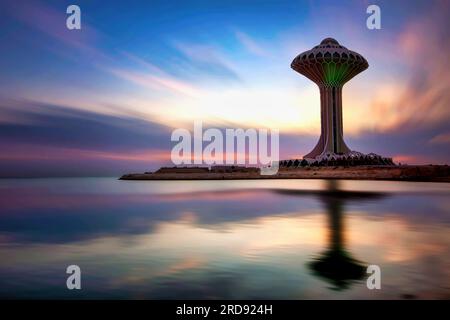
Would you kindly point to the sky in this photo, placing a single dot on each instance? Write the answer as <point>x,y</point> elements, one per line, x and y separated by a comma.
<point>105,99</point>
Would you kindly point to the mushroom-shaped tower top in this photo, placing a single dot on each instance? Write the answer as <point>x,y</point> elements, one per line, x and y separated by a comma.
<point>329,63</point>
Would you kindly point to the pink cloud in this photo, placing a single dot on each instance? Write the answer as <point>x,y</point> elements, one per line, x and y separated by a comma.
<point>443,138</point>
<point>23,152</point>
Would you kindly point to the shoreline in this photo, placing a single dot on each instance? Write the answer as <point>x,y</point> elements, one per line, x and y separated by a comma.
<point>418,173</point>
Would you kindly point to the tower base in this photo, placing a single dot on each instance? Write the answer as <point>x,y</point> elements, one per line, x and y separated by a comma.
<point>352,158</point>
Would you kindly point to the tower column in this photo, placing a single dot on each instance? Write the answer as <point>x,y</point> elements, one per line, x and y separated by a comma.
<point>331,138</point>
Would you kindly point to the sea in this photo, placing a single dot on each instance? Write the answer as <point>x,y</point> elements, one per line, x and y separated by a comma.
<point>243,239</point>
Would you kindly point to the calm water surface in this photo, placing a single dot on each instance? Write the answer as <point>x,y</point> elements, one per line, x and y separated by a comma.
<point>280,239</point>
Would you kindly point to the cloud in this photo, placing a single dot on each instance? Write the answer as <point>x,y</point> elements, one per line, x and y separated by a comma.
<point>206,61</point>
<point>442,138</point>
<point>52,140</point>
<point>24,152</point>
<point>153,82</point>
<point>423,100</point>
<point>51,22</point>
<point>251,45</point>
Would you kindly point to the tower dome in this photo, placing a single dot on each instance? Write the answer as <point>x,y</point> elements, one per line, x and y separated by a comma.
<point>329,63</point>
<point>329,41</point>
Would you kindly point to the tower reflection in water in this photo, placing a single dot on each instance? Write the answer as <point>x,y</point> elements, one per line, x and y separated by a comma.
<point>336,265</point>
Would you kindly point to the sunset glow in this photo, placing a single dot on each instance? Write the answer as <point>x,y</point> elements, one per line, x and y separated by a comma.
<point>224,68</point>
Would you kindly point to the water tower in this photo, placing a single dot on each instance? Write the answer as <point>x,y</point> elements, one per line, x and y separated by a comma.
<point>330,65</point>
